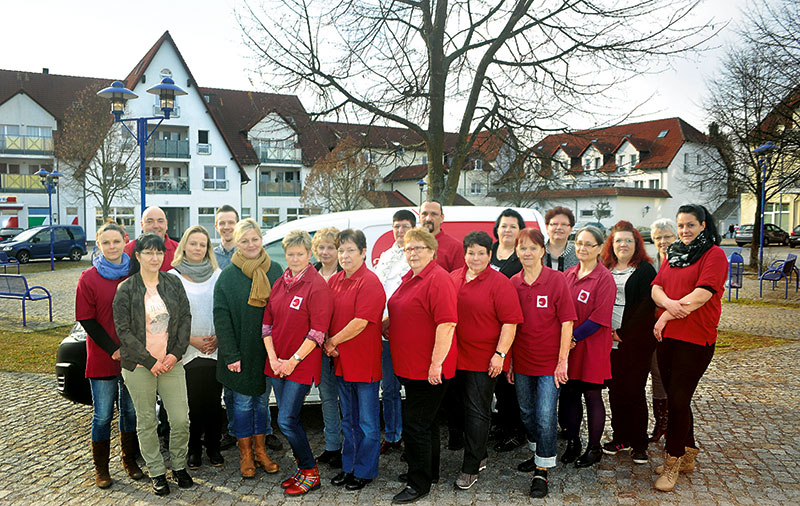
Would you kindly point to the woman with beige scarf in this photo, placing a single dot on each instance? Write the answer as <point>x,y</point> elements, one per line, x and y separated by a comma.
<point>240,295</point>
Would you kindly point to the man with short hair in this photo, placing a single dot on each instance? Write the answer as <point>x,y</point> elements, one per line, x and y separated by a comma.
<point>560,253</point>
<point>225,221</point>
<point>154,221</point>
<point>450,253</point>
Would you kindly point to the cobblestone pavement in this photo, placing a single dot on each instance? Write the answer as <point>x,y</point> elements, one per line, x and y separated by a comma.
<point>747,427</point>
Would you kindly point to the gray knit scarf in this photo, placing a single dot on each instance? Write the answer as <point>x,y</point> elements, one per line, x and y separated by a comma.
<point>196,272</point>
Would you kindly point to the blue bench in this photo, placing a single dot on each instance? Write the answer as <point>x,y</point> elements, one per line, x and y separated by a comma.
<point>781,269</point>
<point>5,261</point>
<point>14,286</point>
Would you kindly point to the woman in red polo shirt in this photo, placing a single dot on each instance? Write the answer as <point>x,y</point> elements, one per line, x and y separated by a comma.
<point>93,300</point>
<point>540,351</point>
<point>296,322</point>
<point>488,312</point>
<point>355,346</point>
<point>593,294</point>
<point>689,288</point>
<point>422,317</point>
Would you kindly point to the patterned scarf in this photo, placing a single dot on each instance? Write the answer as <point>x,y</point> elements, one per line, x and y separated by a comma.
<point>291,280</point>
<point>255,269</point>
<point>683,255</point>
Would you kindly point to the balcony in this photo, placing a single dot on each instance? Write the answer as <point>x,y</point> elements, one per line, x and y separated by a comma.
<point>25,145</point>
<point>277,154</point>
<point>280,189</point>
<point>178,185</point>
<point>161,148</point>
<point>175,113</point>
<point>21,183</point>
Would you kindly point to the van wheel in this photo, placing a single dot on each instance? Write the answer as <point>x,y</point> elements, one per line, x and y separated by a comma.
<point>75,255</point>
<point>23,257</point>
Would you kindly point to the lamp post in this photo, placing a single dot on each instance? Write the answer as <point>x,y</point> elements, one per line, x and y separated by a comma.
<point>118,94</point>
<point>763,153</point>
<point>421,183</point>
<point>50,183</point>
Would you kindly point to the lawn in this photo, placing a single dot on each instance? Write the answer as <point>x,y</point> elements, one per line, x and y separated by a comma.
<point>739,341</point>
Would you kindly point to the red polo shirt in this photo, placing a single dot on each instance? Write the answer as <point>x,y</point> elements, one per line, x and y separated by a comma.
<point>169,255</point>
<point>449,253</point>
<point>416,308</point>
<point>93,298</point>
<point>593,297</point>
<point>711,270</point>
<point>546,304</point>
<point>485,304</point>
<point>359,296</point>
<point>293,312</point>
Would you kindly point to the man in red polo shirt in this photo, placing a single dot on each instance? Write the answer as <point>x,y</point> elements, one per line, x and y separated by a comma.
<point>450,254</point>
<point>155,221</point>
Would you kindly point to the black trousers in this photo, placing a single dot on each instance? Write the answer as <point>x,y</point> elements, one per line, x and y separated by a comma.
<point>682,365</point>
<point>421,431</point>
<point>630,365</point>
<point>476,389</point>
<point>203,392</point>
<point>508,414</point>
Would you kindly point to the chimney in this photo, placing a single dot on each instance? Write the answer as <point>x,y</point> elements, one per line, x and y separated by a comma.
<point>45,70</point>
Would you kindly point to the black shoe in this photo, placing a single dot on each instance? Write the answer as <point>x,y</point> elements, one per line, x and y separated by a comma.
<point>227,441</point>
<point>572,452</point>
<point>508,444</point>
<point>407,495</point>
<point>160,485</point>
<point>591,457</point>
<point>195,459</point>
<point>562,434</point>
<point>527,466</point>
<point>455,442</point>
<point>613,447</point>
<point>215,457</point>
<point>640,457</point>
<point>273,443</point>
<point>331,457</point>
<point>342,479</point>
<point>539,484</point>
<point>357,483</point>
<point>183,478</point>
<point>404,478</point>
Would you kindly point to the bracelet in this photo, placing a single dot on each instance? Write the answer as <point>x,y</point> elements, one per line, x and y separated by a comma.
<point>297,357</point>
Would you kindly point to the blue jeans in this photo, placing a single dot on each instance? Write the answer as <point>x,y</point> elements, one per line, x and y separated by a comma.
<point>291,396</point>
<point>537,397</point>
<point>329,394</point>
<point>361,424</point>
<point>250,415</point>
<point>105,392</point>
<point>390,388</point>
<point>227,395</point>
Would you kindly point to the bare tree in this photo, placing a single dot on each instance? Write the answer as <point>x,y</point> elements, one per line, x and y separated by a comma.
<point>493,63</point>
<point>98,155</point>
<point>526,180</point>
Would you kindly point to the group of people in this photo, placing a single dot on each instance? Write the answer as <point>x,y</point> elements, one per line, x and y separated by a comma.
<point>539,323</point>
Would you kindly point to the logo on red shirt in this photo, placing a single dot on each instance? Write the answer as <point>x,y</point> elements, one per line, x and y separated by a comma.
<point>583,296</point>
<point>296,301</point>
<point>541,301</point>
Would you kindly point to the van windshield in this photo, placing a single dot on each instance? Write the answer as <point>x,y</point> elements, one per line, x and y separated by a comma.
<point>27,234</point>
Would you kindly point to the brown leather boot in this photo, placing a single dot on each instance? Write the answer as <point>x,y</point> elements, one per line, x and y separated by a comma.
<point>660,413</point>
<point>130,447</point>
<point>100,453</point>
<point>687,463</point>
<point>260,450</point>
<point>669,473</point>
<point>246,464</point>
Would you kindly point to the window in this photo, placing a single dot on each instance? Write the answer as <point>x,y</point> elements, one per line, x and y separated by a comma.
<point>476,188</point>
<point>72,211</point>
<point>777,214</point>
<point>699,159</point>
<point>245,212</point>
<point>478,164</point>
<point>587,213</point>
<point>654,183</point>
<point>598,161</point>
<point>214,178</point>
<point>634,160</point>
<point>369,156</point>
<point>122,215</point>
<point>424,159</point>
<point>9,130</point>
<point>301,212</point>
<point>62,234</point>
<point>662,134</point>
<point>270,216</point>
<point>686,162</point>
<point>206,217</point>
<point>34,131</point>
<point>620,161</point>
<point>638,184</point>
<point>202,136</point>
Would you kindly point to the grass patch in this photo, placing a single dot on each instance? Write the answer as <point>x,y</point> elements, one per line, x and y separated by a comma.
<point>728,342</point>
<point>31,351</point>
<point>762,303</point>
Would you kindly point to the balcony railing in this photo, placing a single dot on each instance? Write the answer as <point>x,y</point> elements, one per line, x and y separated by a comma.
<point>162,148</point>
<point>22,183</point>
<point>176,112</point>
<point>267,154</point>
<point>280,189</point>
<point>25,145</point>
<point>168,185</point>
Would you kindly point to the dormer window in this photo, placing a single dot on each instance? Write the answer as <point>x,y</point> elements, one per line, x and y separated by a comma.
<point>478,164</point>
<point>662,134</point>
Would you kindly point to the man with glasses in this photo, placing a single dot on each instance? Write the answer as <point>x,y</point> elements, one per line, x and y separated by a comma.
<point>560,254</point>
<point>450,254</point>
<point>155,221</point>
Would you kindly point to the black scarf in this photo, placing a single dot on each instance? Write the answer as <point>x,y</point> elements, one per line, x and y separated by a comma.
<point>684,255</point>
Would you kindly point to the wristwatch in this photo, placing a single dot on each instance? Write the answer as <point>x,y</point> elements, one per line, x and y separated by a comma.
<point>502,355</point>
<point>297,357</point>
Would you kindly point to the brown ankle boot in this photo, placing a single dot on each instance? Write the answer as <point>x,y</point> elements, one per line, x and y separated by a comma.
<point>260,450</point>
<point>129,445</point>
<point>660,413</point>
<point>246,464</point>
<point>669,475</point>
<point>687,464</point>
<point>100,453</point>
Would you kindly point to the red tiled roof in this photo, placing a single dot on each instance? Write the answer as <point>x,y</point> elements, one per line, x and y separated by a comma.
<point>377,136</point>
<point>407,173</point>
<point>461,201</point>
<point>55,93</point>
<point>605,192</point>
<point>489,143</point>
<point>389,199</point>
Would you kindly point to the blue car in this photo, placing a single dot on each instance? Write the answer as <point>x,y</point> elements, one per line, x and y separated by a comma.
<point>68,241</point>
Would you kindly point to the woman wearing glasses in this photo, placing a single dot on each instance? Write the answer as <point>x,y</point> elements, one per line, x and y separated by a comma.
<point>589,366</point>
<point>631,321</point>
<point>422,318</point>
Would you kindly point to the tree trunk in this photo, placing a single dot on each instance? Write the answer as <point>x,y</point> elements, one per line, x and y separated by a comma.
<point>756,225</point>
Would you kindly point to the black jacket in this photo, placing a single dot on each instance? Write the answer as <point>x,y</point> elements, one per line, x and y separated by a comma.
<point>639,316</point>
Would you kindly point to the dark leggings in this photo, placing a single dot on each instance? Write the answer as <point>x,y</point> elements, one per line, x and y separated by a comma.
<point>681,364</point>
<point>203,392</point>
<point>570,400</point>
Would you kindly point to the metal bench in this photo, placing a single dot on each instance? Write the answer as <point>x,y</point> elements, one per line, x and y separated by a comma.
<point>14,286</point>
<point>735,272</point>
<point>778,270</point>
<point>5,261</point>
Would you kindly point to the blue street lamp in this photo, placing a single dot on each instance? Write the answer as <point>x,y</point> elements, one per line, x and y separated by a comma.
<point>118,94</point>
<point>421,184</point>
<point>763,153</point>
<point>50,183</point>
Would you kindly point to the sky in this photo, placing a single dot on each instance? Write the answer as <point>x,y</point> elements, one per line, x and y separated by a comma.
<point>90,38</point>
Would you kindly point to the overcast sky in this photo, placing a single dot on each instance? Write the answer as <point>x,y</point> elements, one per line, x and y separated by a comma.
<point>93,38</point>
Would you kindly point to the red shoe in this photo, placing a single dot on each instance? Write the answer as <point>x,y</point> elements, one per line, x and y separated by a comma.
<point>307,481</point>
<point>388,445</point>
<point>288,482</point>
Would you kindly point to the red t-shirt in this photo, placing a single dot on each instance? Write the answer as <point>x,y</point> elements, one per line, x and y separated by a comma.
<point>485,304</point>
<point>449,253</point>
<point>169,254</point>
<point>416,308</point>
<point>359,296</point>
<point>711,270</point>
<point>546,304</point>
<point>293,312</point>
<point>593,297</point>
<point>93,301</point>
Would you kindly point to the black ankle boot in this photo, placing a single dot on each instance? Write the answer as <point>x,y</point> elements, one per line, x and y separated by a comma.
<point>572,452</point>
<point>592,456</point>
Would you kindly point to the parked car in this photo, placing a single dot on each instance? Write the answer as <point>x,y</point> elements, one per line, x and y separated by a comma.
<point>773,234</point>
<point>794,237</point>
<point>580,225</point>
<point>9,232</point>
<point>645,233</point>
<point>71,381</point>
<point>68,241</point>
